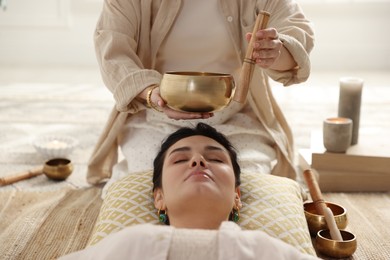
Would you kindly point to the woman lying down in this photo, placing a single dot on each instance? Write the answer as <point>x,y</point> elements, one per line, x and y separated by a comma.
<point>196,182</point>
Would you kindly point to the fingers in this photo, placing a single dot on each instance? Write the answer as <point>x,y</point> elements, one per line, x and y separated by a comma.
<point>267,47</point>
<point>177,115</point>
<point>266,53</point>
<point>269,33</point>
<point>173,114</point>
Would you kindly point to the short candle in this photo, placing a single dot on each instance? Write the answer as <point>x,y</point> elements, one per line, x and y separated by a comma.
<point>338,120</point>
<point>337,134</point>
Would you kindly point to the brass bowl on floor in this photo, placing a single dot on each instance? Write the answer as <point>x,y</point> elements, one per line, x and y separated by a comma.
<point>58,168</point>
<point>317,222</point>
<point>337,249</point>
<point>197,91</point>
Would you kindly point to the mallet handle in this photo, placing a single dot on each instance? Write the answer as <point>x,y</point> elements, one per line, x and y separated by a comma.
<point>21,176</point>
<point>248,64</point>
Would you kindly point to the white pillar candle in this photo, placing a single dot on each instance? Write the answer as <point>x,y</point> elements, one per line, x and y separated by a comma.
<point>350,103</point>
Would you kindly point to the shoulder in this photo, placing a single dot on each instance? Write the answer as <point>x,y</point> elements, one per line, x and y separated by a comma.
<point>235,243</point>
<point>142,241</point>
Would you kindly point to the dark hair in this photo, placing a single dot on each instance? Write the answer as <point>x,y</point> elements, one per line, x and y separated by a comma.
<point>184,132</point>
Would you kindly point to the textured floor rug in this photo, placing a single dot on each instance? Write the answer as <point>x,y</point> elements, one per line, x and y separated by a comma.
<point>46,224</point>
<point>42,219</point>
<point>32,106</point>
<point>369,220</point>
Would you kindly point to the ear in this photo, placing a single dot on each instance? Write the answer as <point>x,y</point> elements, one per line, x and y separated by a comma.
<point>237,199</point>
<point>158,196</point>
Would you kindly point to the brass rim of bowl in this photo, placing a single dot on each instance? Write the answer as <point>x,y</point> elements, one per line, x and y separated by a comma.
<point>347,236</point>
<point>337,209</point>
<point>56,162</point>
<point>195,73</point>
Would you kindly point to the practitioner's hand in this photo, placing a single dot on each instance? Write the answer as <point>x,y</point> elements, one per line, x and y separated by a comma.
<point>269,51</point>
<point>173,114</point>
<point>266,48</point>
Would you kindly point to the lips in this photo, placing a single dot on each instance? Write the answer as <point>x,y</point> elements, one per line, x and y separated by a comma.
<point>199,173</point>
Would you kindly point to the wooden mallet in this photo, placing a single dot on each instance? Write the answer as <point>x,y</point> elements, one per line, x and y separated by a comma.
<point>21,176</point>
<point>249,63</point>
<point>320,205</point>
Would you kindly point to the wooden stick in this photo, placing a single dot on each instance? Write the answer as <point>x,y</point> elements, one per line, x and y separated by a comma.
<point>335,233</point>
<point>248,65</point>
<point>21,176</point>
<point>320,205</point>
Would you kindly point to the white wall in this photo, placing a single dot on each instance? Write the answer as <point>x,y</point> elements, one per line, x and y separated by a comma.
<point>48,32</point>
<point>351,35</point>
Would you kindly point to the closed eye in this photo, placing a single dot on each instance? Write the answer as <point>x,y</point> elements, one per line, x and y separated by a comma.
<point>216,160</point>
<point>180,161</point>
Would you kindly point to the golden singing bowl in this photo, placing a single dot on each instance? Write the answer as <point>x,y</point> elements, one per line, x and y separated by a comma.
<point>337,249</point>
<point>197,91</point>
<point>317,222</point>
<point>58,169</point>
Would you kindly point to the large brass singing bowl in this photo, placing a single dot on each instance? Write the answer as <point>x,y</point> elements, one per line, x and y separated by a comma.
<point>316,222</point>
<point>337,249</point>
<point>197,91</point>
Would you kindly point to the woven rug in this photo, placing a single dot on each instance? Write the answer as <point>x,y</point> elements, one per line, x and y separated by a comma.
<point>55,102</point>
<point>48,224</point>
<point>369,220</point>
<point>41,218</point>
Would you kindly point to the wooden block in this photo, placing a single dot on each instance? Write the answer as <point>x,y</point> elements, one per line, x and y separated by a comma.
<point>346,181</point>
<point>369,155</point>
<point>333,181</point>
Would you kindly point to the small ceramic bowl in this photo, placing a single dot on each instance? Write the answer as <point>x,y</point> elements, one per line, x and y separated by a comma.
<point>55,146</point>
<point>197,91</point>
<point>58,168</point>
<point>317,222</point>
<point>337,249</point>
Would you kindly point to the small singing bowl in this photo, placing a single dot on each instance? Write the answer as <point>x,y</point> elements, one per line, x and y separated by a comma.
<point>197,91</point>
<point>58,168</point>
<point>333,248</point>
<point>316,222</point>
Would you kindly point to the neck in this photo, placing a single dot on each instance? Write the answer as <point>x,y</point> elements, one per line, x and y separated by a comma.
<point>197,218</point>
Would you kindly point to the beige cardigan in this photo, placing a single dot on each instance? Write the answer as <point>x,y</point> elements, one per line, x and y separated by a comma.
<point>129,34</point>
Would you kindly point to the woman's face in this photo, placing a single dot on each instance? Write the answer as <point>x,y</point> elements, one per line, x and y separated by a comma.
<point>197,174</point>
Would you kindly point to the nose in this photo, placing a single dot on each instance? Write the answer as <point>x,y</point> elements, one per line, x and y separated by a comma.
<point>198,160</point>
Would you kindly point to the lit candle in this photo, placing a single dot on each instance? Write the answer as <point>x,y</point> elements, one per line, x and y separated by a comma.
<point>350,103</point>
<point>337,134</point>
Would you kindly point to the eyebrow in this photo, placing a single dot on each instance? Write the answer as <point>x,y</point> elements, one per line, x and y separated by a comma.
<point>187,148</point>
